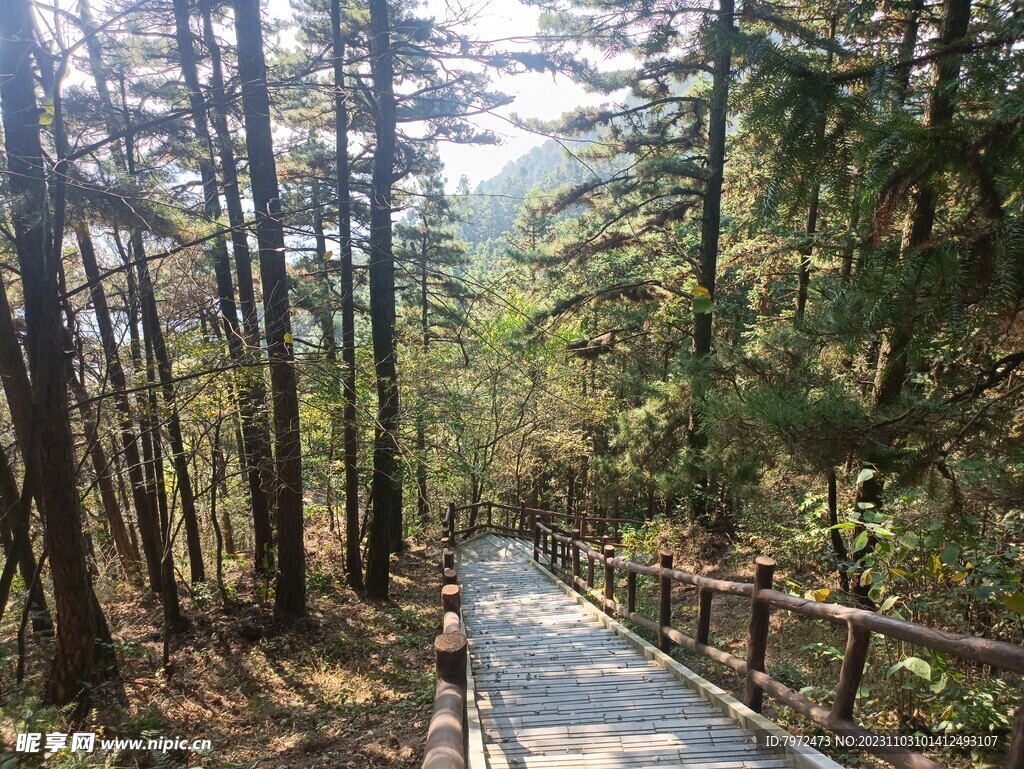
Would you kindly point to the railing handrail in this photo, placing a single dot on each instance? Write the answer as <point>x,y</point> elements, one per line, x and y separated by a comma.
<point>555,546</point>
<point>524,520</point>
<point>446,736</point>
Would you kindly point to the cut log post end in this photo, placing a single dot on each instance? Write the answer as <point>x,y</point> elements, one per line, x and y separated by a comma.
<point>451,598</point>
<point>450,651</point>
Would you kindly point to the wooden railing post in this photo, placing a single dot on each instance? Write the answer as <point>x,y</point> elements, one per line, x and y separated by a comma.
<point>555,545</point>
<point>536,541</point>
<point>575,571</point>
<point>609,578</point>
<point>757,632</point>
<point>704,597</point>
<point>522,515</point>
<point>490,514</point>
<point>446,747</point>
<point>451,607</point>
<point>584,524</point>
<point>856,654</point>
<point>450,578</point>
<point>449,517</point>
<point>446,545</point>
<point>451,598</point>
<point>447,559</point>
<point>630,592</point>
<point>664,600</point>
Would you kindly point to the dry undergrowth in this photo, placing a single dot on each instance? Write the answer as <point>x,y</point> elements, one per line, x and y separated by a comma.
<point>350,686</point>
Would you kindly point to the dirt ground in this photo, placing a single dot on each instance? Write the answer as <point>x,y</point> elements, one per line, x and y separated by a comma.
<point>350,686</point>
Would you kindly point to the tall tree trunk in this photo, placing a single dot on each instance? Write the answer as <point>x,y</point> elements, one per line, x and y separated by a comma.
<point>890,374</point>
<point>18,392</point>
<point>353,559</point>
<point>227,528</point>
<point>102,468</point>
<point>147,297</point>
<point>17,545</point>
<point>387,485</point>
<point>155,337</point>
<point>243,344</point>
<point>835,535</point>
<point>423,507</point>
<point>811,222</point>
<point>323,308</point>
<point>83,656</point>
<point>290,600</point>
<point>917,234</point>
<point>145,511</point>
<point>711,227</point>
<point>906,48</point>
<point>255,427</point>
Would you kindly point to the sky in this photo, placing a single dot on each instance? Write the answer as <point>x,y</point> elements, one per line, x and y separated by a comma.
<point>537,95</point>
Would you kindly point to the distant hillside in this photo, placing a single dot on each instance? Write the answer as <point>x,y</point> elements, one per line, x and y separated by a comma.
<point>496,201</point>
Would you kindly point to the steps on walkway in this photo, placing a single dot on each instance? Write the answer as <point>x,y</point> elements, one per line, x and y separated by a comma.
<point>555,688</point>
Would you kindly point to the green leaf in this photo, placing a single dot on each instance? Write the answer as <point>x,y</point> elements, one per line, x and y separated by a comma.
<point>888,603</point>
<point>918,667</point>
<point>865,475</point>
<point>939,685</point>
<point>950,554</point>
<point>915,665</point>
<point>860,541</point>
<point>702,305</point>
<point>1013,602</point>
<point>909,540</point>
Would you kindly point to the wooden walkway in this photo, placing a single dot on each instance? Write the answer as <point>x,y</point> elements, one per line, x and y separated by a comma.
<point>555,688</point>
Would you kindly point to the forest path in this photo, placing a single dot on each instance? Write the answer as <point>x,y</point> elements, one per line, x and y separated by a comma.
<point>555,688</point>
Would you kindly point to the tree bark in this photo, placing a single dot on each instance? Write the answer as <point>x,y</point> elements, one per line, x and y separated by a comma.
<point>387,485</point>
<point>711,227</point>
<point>17,545</point>
<point>353,558</point>
<point>836,536</point>
<point>290,600</point>
<point>422,505</point>
<point>146,514</point>
<point>83,655</point>
<point>891,369</point>
<point>147,297</point>
<point>155,337</point>
<point>104,479</point>
<point>891,372</point>
<point>243,343</point>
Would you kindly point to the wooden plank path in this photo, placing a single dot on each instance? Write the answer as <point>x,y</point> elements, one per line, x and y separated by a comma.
<point>555,688</point>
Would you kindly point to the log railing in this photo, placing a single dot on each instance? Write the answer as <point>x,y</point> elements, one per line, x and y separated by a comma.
<point>518,520</point>
<point>446,736</point>
<point>563,550</point>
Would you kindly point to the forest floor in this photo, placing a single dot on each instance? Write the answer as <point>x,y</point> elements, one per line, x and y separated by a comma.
<point>349,686</point>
